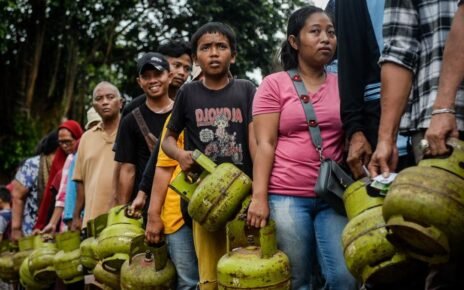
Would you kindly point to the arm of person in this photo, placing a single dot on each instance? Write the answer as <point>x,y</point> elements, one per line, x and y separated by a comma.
<point>396,87</point>
<point>116,175</point>
<point>54,220</point>
<point>146,183</point>
<point>80,201</point>
<point>169,146</point>
<point>444,125</point>
<point>399,60</point>
<point>18,199</point>
<point>126,183</point>
<point>266,130</point>
<point>155,225</point>
<point>252,141</point>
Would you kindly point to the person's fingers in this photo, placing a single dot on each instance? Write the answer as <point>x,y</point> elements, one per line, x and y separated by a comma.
<point>384,167</point>
<point>373,167</point>
<point>157,238</point>
<point>263,223</point>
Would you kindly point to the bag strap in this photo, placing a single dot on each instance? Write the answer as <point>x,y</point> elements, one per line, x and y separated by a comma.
<point>150,139</point>
<point>313,126</point>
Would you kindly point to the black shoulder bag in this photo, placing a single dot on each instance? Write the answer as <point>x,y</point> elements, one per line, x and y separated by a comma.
<point>332,179</point>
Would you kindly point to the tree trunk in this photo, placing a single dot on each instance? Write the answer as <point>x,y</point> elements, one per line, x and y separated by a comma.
<point>71,72</point>
<point>39,26</point>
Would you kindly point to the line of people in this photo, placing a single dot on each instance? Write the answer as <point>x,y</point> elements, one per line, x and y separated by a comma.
<point>131,157</point>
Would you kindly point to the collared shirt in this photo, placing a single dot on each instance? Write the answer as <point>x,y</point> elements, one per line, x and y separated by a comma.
<point>415,33</point>
<point>94,168</point>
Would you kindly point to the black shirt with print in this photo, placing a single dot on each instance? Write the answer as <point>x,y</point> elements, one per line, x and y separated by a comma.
<point>216,121</point>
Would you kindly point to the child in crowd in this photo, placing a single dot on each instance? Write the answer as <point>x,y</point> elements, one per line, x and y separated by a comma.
<point>215,115</point>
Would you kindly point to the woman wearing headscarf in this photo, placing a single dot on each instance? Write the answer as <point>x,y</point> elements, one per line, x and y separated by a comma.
<point>69,132</point>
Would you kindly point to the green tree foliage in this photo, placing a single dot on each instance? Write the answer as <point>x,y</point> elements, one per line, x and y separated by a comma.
<point>53,52</point>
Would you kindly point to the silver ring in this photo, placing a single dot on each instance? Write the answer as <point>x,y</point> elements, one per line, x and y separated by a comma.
<point>424,144</point>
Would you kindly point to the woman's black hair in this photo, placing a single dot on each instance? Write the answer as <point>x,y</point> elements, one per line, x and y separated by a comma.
<point>296,22</point>
<point>214,27</point>
<point>48,144</point>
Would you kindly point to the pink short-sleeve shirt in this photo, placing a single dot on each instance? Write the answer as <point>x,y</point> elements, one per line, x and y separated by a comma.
<point>296,161</point>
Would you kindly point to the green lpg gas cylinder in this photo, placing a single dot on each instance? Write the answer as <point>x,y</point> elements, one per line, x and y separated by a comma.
<point>215,193</point>
<point>114,241</point>
<point>7,270</point>
<point>110,280</point>
<point>148,267</point>
<point>369,256</point>
<point>67,261</point>
<point>423,207</point>
<point>41,259</point>
<point>252,260</point>
<point>89,258</point>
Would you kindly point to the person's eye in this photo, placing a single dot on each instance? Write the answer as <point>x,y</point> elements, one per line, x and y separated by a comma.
<point>315,31</point>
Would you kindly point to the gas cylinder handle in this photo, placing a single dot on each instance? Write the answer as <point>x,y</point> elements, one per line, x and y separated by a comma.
<point>240,235</point>
<point>202,160</point>
<point>453,162</point>
<point>158,251</point>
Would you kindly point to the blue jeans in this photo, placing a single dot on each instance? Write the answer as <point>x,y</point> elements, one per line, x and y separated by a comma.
<point>308,229</point>
<point>182,252</point>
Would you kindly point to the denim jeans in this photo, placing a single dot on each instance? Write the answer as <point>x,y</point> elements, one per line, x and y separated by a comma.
<point>182,252</point>
<point>309,230</point>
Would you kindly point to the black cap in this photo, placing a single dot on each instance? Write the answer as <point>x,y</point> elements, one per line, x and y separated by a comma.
<point>155,60</point>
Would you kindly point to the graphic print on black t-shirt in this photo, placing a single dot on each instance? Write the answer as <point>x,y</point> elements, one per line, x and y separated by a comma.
<point>220,143</point>
<point>216,121</point>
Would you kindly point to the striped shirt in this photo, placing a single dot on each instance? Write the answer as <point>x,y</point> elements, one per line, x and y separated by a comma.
<point>415,33</point>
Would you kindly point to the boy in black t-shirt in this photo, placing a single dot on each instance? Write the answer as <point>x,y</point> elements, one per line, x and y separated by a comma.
<point>215,115</point>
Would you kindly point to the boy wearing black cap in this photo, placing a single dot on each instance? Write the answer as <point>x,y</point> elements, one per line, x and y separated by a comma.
<point>139,130</point>
<point>215,115</point>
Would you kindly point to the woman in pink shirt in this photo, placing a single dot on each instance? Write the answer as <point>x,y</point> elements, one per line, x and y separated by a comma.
<point>286,163</point>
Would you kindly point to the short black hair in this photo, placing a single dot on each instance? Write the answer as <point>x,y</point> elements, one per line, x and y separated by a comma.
<point>48,144</point>
<point>214,27</point>
<point>175,48</point>
<point>5,194</point>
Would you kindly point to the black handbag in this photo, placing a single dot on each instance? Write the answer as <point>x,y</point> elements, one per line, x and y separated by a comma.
<point>332,179</point>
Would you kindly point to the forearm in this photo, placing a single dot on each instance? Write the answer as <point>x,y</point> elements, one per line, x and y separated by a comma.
<point>396,87</point>
<point>452,73</point>
<point>17,213</point>
<point>149,172</point>
<point>57,212</point>
<point>159,189</point>
<point>262,168</point>
<point>18,199</point>
<point>251,141</point>
<point>116,175</point>
<point>126,183</point>
<point>80,200</point>
<point>169,145</point>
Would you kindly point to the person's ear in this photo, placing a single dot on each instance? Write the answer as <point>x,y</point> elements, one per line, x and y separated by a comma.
<point>139,81</point>
<point>170,76</point>
<point>234,55</point>
<point>293,41</point>
<point>121,103</point>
